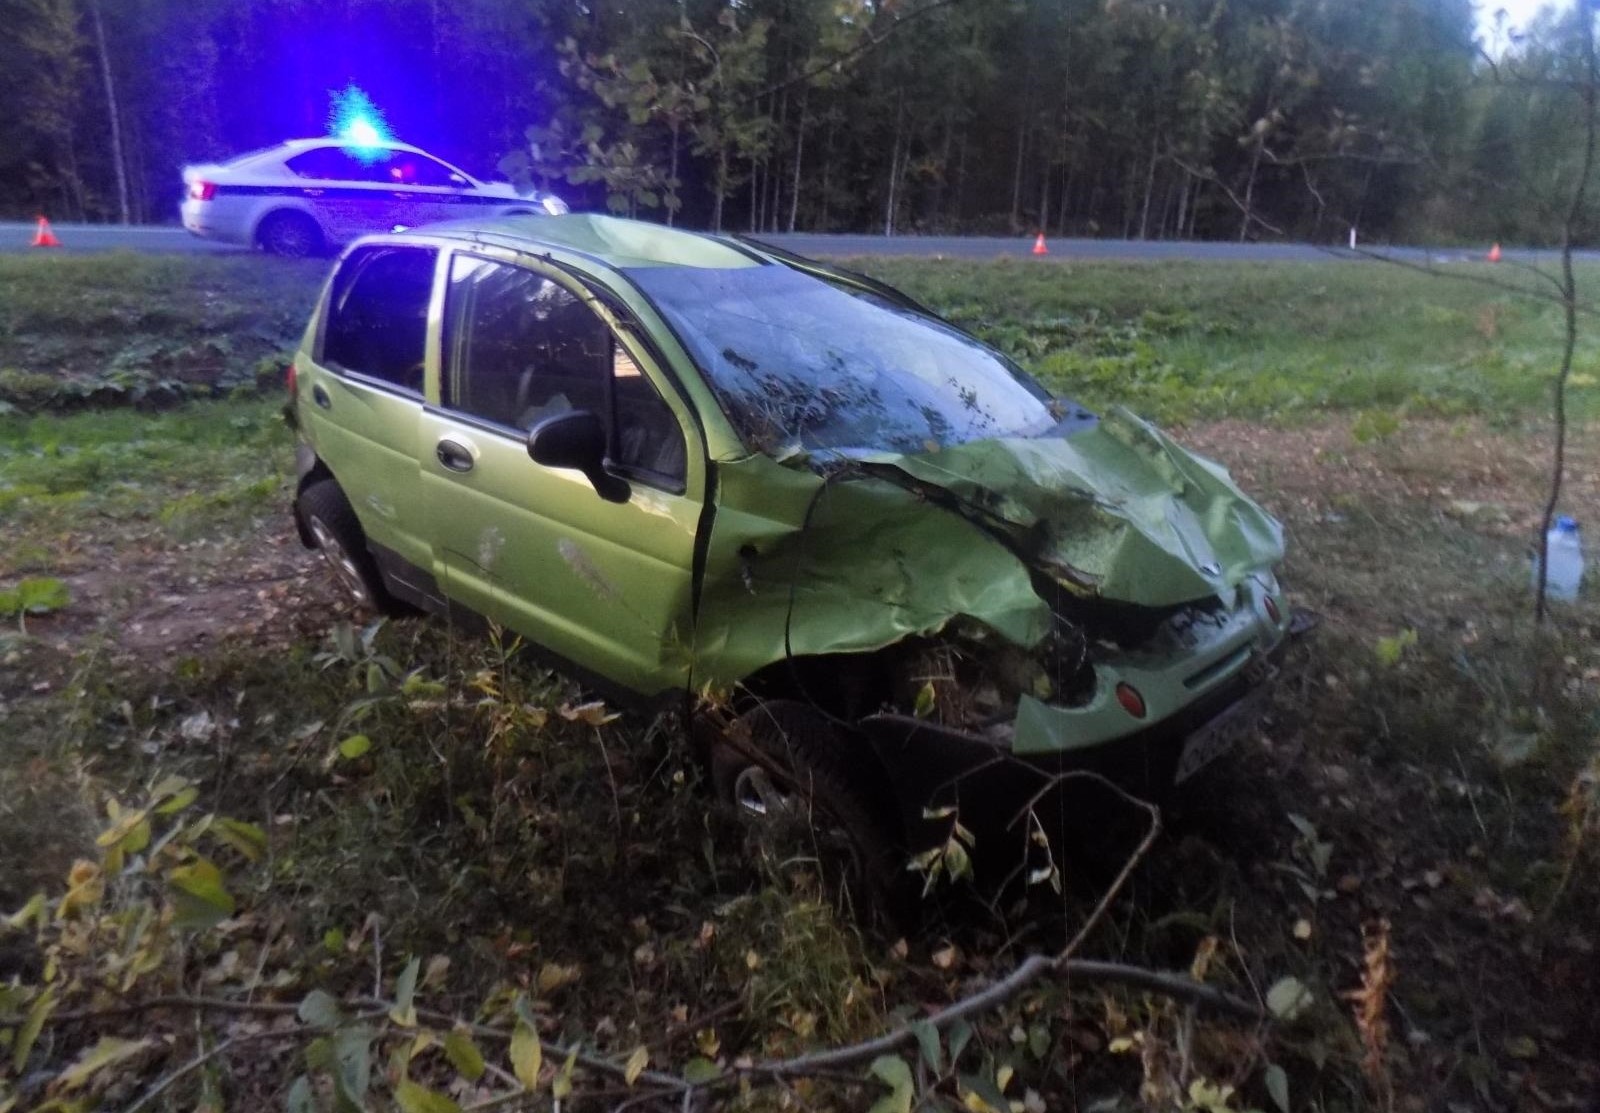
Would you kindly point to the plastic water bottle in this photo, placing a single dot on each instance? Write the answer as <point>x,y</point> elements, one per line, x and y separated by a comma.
<point>1566,561</point>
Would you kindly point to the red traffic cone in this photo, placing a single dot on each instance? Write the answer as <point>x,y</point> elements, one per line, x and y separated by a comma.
<point>1038,246</point>
<point>44,237</point>
<point>1494,254</point>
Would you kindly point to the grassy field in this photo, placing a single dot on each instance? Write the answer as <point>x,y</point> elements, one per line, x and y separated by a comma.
<point>1420,808</point>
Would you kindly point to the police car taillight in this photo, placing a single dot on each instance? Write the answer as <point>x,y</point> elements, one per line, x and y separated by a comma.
<point>202,191</point>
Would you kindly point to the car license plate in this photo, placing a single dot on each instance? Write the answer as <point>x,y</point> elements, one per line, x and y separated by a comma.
<point>1221,734</point>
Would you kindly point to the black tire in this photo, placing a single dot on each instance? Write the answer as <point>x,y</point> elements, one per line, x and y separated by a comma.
<point>331,521</point>
<point>290,234</point>
<point>826,806</point>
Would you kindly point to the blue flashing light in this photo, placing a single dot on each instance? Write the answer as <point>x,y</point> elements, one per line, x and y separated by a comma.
<point>363,132</point>
<point>354,118</point>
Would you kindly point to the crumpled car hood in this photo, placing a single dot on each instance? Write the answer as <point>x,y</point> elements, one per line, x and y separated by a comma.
<point>1118,509</point>
<point>890,546</point>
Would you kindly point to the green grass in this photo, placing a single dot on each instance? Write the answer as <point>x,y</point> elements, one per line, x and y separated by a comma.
<point>485,826</point>
<point>1188,341</point>
<point>198,468</point>
<point>1176,341</point>
<point>146,330</point>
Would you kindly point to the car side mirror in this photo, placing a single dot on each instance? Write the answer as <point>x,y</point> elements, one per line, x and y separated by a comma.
<point>458,179</point>
<point>576,439</point>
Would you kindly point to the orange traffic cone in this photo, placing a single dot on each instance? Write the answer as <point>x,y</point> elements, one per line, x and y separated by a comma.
<point>1038,246</point>
<point>44,237</point>
<point>1494,254</point>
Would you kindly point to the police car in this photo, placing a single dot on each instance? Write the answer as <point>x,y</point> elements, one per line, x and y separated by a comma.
<point>306,195</point>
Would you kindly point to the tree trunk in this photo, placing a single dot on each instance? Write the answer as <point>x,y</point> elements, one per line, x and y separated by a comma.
<point>1016,172</point>
<point>894,166</point>
<point>1250,187</point>
<point>1061,205</point>
<point>1044,200</point>
<point>1149,188</point>
<point>118,161</point>
<point>672,176</point>
<point>1183,203</point>
<point>827,175</point>
<point>722,185</point>
<point>799,151</point>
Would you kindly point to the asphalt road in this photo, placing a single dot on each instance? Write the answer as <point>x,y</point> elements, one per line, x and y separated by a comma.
<point>81,238</point>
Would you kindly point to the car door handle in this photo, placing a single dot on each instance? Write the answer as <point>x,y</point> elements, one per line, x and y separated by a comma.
<point>454,455</point>
<point>320,396</point>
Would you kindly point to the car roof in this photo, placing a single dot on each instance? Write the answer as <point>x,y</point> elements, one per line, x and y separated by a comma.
<point>610,240</point>
<point>339,141</point>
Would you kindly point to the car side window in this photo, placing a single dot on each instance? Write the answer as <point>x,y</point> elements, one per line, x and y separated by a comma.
<point>378,315</point>
<point>520,347</point>
<point>325,164</point>
<point>419,170</point>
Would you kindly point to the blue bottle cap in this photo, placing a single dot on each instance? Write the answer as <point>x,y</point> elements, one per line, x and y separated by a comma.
<point>1566,524</point>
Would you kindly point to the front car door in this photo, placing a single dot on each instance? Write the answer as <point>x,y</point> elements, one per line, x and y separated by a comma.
<point>606,585</point>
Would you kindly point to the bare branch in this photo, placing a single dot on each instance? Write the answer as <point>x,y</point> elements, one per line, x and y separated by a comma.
<point>870,41</point>
<point>1569,284</point>
<point>1210,176</point>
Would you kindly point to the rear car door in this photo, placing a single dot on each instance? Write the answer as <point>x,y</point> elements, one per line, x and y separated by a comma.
<point>606,585</point>
<point>365,390</point>
<point>436,191</point>
<point>359,190</point>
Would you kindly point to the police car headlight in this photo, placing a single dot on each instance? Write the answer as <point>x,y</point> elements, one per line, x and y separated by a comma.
<point>554,206</point>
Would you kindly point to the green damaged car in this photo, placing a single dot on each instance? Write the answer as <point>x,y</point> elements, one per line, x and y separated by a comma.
<point>888,575</point>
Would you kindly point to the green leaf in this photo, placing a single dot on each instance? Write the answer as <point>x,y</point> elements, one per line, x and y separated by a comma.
<point>201,899</point>
<point>29,1032</point>
<point>561,1084</point>
<point>320,1010</point>
<point>246,838</point>
<point>1278,1087</point>
<point>354,746</point>
<point>37,910</point>
<point>180,800</point>
<point>1390,650</point>
<point>893,1072</point>
<point>412,1098</point>
<point>299,1099</point>
<point>1288,998</point>
<point>108,1051</point>
<point>928,1039</point>
<point>404,1012</point>
<point>464,1055</point>
<point>986,1092</point>
<point>527,1056</point>
<point>41,594</point>
<point>960,1035</point>
<point>1039,1041</point>
<point>700,1070</point>
<point>636,1064</point>
<point>352,1055</point>
<point>927,701</point>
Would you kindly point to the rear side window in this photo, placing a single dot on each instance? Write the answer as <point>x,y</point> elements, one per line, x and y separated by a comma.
<point>369,164</point>
<point>378,315</point>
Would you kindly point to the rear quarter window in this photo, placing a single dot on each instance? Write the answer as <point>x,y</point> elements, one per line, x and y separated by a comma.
<point>377,321</point>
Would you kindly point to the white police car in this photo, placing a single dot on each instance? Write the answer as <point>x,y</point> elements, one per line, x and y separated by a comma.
<point>309,194</point>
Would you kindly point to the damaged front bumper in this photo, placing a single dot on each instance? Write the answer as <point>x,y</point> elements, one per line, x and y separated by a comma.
<point>1203,684</point>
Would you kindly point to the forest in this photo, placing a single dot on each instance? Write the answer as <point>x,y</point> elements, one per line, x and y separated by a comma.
<point>1205,119</point>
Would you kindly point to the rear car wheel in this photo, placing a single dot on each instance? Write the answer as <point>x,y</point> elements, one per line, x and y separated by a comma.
<point>291,235</point>
<point>805,799</point>
<point>332,524</point>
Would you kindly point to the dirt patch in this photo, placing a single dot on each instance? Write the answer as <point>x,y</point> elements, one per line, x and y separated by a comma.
<point>159,603</point>
<point>1495,479</point>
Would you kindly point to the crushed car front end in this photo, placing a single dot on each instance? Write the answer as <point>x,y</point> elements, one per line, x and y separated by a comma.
<point>990,585</point>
